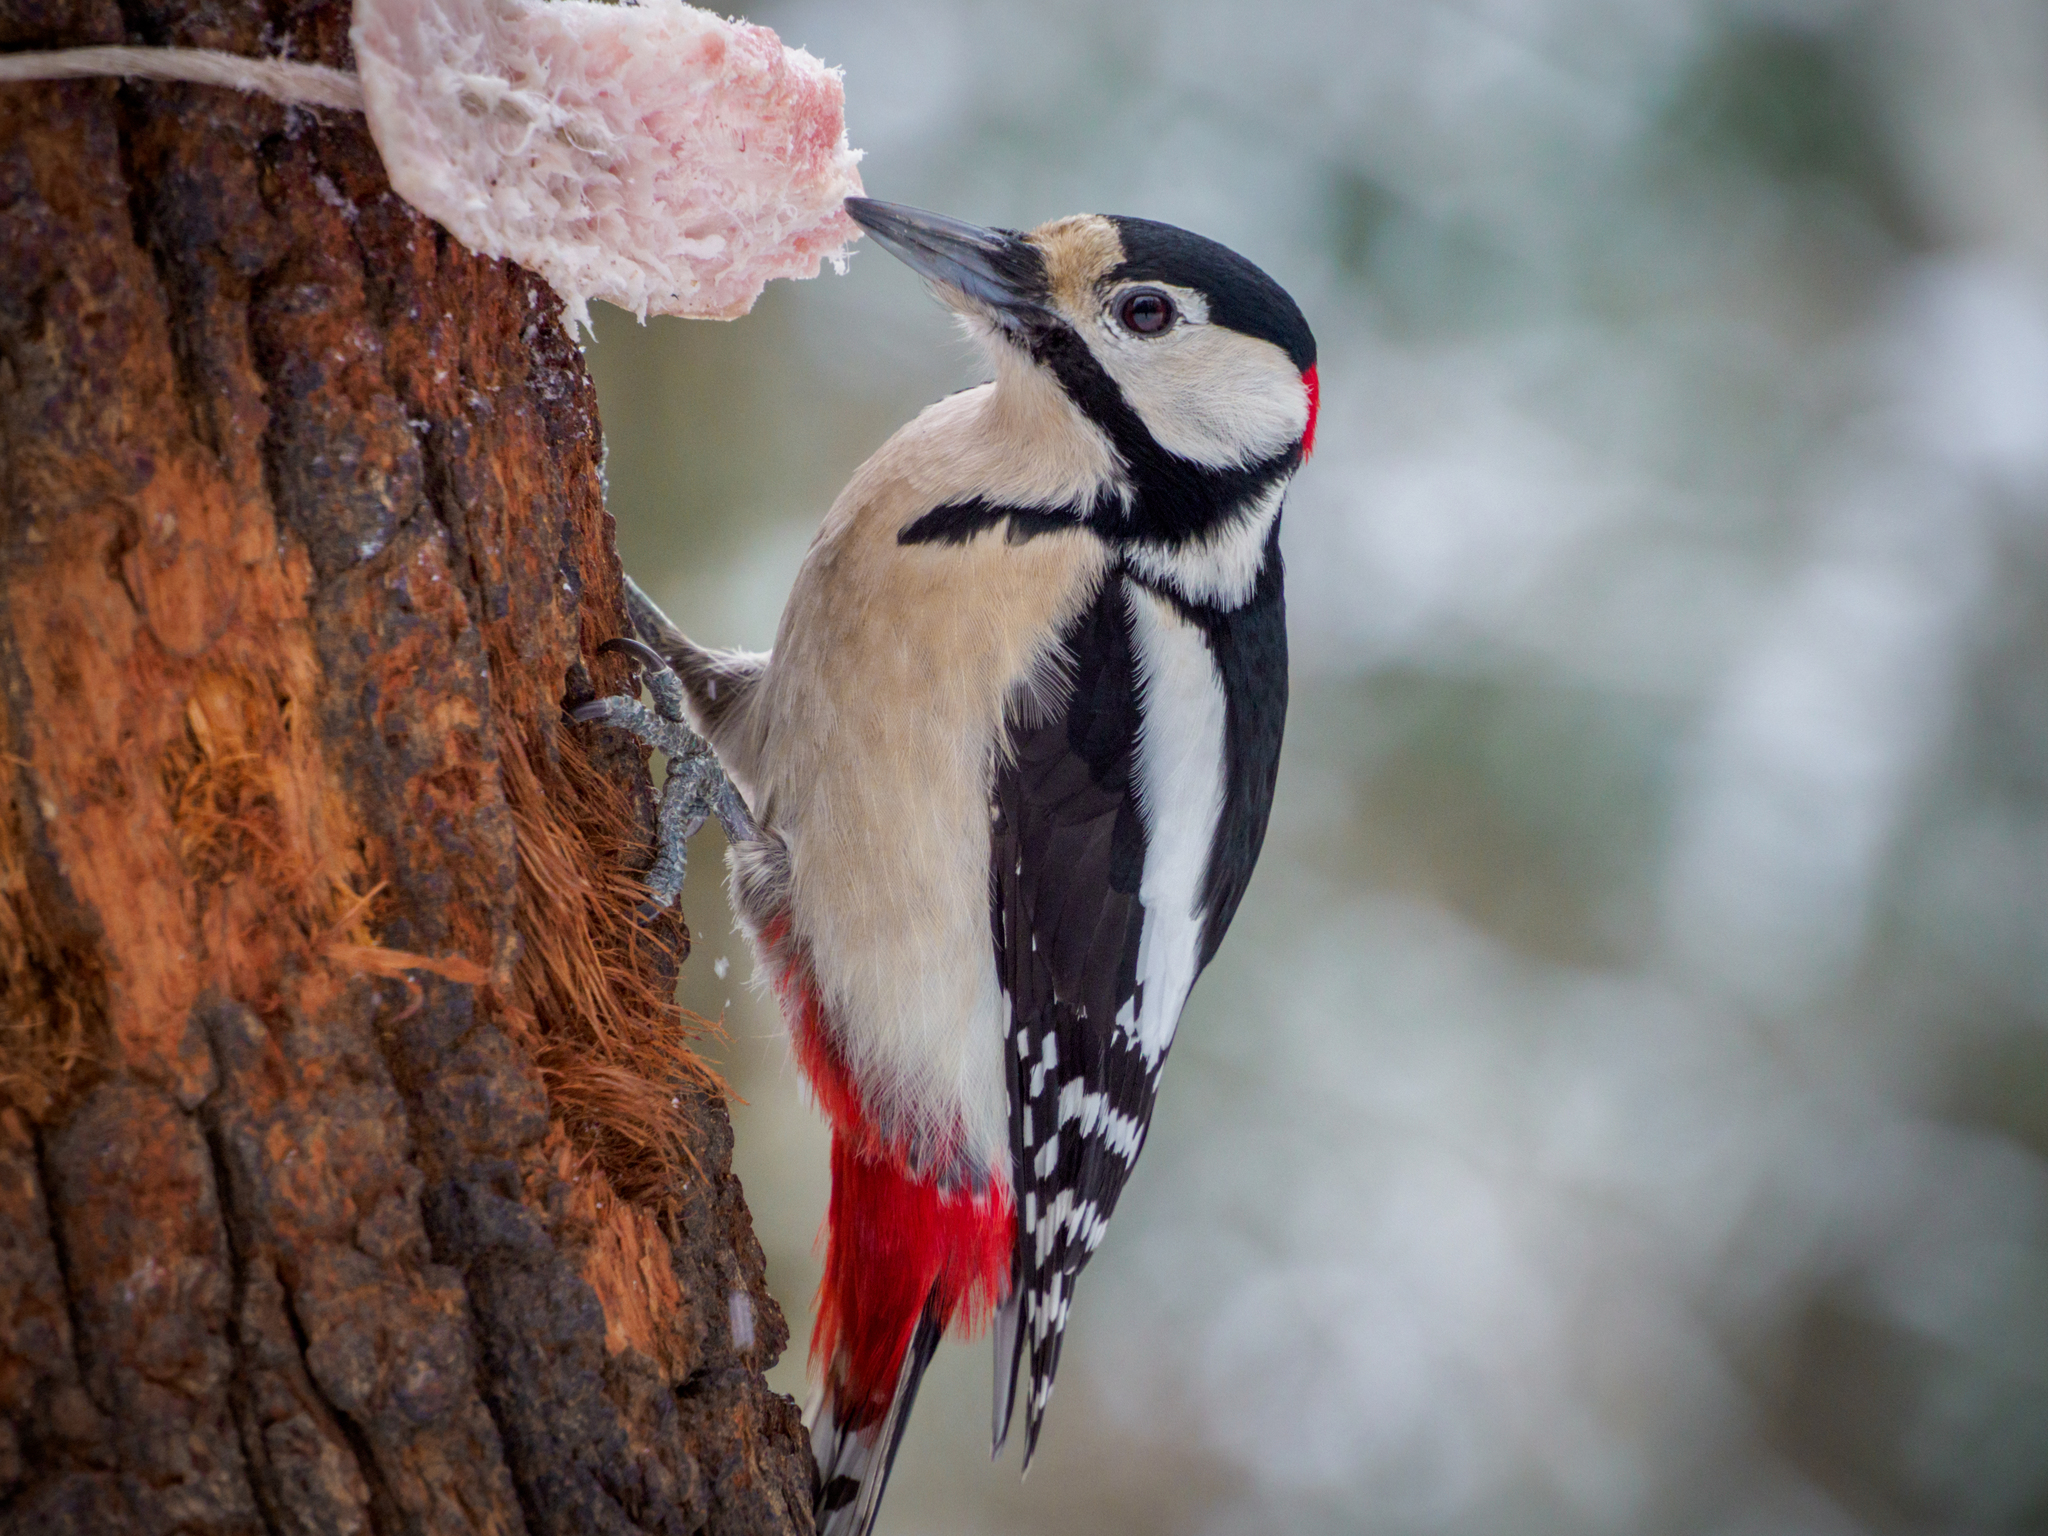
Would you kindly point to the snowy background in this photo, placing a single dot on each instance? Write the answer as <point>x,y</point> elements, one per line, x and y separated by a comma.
<point>1621,1105</point>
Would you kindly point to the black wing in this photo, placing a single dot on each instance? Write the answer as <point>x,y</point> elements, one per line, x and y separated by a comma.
<point>1068,851</point>
<point>1068,856</point>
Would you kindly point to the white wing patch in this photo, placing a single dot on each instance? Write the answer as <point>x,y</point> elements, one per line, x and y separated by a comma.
<point>1180,797</point>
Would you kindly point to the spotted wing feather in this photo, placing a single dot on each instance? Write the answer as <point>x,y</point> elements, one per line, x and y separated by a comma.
<point>1069,853</point>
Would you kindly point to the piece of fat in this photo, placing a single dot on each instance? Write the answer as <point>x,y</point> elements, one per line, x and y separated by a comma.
<point>652,155</point>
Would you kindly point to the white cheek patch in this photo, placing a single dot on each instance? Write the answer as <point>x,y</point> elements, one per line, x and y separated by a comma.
<point>1220,568</point>
<point>1208,394</point>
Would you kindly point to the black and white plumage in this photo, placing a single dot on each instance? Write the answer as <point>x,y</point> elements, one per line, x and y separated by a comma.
<point>1127,820</point>
<point>1011,762</point>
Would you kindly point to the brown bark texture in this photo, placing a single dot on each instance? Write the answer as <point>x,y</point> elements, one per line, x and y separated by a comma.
<point>356,1174</point>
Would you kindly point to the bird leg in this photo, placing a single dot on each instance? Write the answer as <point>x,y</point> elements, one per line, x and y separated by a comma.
<point>696,788</point>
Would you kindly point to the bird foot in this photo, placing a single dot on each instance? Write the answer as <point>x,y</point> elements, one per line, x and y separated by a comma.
<point>696,788</point>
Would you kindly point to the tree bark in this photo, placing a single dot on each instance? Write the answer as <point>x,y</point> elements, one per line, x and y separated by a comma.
<point>356,1174</point>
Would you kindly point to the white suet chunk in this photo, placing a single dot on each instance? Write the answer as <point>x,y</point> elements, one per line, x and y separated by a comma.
<point>652,155</point>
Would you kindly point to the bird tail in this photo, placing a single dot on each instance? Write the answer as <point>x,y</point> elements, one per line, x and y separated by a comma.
<point>854,1457</point>
<point>905,1259</point>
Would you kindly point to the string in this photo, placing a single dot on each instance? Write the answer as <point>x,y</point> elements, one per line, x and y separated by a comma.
<point>312,85</point>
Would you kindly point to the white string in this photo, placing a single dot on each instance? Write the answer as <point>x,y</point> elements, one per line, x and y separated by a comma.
<point>312,85</point>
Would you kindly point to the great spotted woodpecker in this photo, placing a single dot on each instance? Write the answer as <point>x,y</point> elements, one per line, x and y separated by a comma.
<point>1010,764</point>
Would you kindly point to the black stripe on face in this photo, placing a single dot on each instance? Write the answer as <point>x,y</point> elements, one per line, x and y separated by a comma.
<point>1175,499</point>
<point>1239,294</point>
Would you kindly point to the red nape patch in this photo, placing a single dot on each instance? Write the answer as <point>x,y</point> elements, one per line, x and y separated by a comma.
<point>1315,402</point>
<point>891,1241</point>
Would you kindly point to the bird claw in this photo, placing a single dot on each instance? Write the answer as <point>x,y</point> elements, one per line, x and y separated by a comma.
<point>696,788</point>
<point>655,672</point>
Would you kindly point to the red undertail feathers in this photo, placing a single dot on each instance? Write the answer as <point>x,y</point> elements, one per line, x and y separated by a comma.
<point>907,1259</point>
<point>895,1245</point>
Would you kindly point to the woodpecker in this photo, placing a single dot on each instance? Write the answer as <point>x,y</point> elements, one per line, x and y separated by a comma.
<point>1009,766</point>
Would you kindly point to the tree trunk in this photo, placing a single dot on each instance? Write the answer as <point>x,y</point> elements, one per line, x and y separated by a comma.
<point>355,1171</point>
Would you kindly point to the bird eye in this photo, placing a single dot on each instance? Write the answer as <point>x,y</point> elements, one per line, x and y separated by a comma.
<point>1147,312</point>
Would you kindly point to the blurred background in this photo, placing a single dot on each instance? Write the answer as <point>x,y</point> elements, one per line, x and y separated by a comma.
<point>1621,1104</point>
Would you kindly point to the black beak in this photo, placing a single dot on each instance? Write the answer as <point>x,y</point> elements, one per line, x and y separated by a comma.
<point>996,268</point>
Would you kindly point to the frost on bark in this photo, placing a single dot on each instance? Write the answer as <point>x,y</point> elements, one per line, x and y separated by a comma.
<point>355,1173</point>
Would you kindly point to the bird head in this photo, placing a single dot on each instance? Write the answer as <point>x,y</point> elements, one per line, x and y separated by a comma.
<point>1180,349</point>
